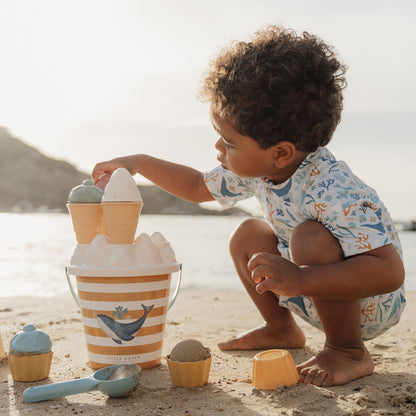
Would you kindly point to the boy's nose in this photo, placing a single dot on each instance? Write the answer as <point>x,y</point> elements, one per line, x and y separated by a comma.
<point>220,145</point>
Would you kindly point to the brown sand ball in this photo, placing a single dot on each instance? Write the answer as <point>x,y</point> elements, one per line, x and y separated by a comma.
<point>189,350</point>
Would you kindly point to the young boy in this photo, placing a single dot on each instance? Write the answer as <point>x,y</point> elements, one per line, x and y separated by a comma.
<point>329,251</point>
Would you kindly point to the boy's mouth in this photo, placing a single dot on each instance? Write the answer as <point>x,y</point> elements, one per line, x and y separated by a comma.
<point>221,162</point>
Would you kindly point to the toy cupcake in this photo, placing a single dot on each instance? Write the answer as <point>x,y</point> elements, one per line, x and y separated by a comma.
<point>189,364</point>
<point>30,354</point>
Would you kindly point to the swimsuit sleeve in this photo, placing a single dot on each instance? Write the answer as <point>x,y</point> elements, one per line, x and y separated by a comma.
<point>351,211</point>
<point>228,188</point>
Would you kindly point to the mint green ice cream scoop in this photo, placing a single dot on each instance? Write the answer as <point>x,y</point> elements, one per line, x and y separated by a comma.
<point>30,341</point>
<point>87,193</point>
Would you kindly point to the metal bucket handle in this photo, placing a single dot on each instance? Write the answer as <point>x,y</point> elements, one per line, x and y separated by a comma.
<point>171,300</point>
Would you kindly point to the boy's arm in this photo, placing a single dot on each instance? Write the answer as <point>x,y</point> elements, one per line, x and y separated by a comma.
<point>372,273</point>
<point>182,181</point>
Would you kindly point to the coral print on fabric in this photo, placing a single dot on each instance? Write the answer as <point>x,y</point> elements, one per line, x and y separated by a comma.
<point>322,189</point>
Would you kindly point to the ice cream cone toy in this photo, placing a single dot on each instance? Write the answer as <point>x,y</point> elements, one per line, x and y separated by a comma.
<point>121,220</point>
<point>87,221</point>
<point>86,212</point>
<point>189,364</point>
<point>122,204</point>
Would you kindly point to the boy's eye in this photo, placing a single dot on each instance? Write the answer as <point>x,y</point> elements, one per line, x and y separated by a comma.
<point>228,146</point>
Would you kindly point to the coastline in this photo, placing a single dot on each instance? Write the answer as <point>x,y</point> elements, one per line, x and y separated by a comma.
<point>210,316</point>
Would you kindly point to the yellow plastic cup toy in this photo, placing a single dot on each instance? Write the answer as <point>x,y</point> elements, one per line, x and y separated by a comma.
<point>274,368</point>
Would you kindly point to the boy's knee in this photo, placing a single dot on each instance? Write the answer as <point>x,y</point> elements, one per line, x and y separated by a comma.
<point>312,243</point>
<point>241,235</point>
<point>252,236</point>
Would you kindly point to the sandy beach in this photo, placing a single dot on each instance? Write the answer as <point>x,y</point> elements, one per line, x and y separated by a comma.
<point>210,317</point>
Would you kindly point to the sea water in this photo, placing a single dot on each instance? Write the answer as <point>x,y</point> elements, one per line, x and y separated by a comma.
<point>35,248</point>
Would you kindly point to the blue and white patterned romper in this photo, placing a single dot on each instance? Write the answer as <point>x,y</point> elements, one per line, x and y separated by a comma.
<point>322,189</point>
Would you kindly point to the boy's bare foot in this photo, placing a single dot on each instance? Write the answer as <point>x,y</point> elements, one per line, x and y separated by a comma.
<point>335,366</point>
<point>265,337</point>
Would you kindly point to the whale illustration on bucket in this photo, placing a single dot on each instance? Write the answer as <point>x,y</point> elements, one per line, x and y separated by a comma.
<point>124,292</point>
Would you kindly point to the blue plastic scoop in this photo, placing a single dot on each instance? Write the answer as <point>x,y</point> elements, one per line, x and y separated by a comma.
<point>114,381</point>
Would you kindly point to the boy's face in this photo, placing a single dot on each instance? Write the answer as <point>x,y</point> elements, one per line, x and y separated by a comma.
<point>240,154</point>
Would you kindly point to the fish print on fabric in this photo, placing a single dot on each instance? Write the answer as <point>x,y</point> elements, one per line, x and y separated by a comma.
<point>322,189</point>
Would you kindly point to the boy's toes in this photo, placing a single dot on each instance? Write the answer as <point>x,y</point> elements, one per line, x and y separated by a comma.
<point>307,375</point>
<point>328,381</point>
<point>320,378</point>
<point>229,345</point>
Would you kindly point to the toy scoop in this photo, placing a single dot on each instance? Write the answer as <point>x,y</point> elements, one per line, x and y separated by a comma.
<point>114,381</point>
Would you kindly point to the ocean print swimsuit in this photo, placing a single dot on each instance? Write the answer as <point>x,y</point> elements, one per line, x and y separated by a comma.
<point>322,189</point>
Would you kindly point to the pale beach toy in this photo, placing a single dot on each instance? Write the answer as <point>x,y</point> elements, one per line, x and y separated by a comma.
<point>189,364</point>
<point>121,219</point>
<point>189,374</point>
<point>274,368</point>
<point>122,204</point>
<point>30,354</point>
<point>87,221</point>
<point>2,353</point>
<point>114,381</point>
<point>85,210</point>
<point>124,292</point>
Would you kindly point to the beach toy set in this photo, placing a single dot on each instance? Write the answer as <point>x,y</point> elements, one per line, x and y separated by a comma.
<point>123,288</point>
<point>30,358</point>
<point>123,281</point>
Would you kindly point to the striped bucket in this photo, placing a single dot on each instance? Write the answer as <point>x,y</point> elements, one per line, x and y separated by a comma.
<point>124,316</point>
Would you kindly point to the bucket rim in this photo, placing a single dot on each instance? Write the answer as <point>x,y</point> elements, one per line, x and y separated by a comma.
<point>145,270</point>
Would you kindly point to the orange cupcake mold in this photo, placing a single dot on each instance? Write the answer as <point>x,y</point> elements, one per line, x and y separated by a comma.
<point>274,368</point>
<point>189,374</point>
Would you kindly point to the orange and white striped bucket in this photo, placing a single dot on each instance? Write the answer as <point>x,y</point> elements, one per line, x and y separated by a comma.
<point>124,313</point>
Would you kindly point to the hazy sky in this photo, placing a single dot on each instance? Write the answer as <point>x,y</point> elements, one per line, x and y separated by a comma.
<point>87,80</point>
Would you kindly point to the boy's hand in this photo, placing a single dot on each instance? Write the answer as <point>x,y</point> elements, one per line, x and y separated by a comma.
<point>102,171</point>
<point>273,272</point>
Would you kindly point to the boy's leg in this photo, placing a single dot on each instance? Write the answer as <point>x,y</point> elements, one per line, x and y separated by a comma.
<point>344,356</point>
<point>280,329</point>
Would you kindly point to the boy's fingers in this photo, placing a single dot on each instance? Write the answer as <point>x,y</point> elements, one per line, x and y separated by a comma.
<point>102,181</point>
<point>262,272</point>
<point>261,258</point>
<point>102,168</point>
<point>264,286</point>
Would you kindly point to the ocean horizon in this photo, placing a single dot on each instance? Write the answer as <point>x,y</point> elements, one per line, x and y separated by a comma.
<point>36,248</point>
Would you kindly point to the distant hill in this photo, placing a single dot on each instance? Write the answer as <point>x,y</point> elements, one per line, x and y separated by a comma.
<point>31,181</point>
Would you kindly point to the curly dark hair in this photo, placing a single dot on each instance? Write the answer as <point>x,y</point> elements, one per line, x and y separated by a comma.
<point>279,86</point>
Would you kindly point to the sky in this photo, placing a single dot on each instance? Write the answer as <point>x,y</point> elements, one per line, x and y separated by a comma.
<point>89,80</point>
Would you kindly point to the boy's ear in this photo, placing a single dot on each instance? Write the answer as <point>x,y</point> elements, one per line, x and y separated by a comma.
<point>283,154</point>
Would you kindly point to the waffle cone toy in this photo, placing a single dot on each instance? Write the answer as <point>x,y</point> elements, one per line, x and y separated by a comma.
<point>121,220</point>
<point>87,220</point>
<point>85,210</point>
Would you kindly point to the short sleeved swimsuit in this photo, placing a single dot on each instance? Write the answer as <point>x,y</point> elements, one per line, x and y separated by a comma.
<point>322,189</point>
